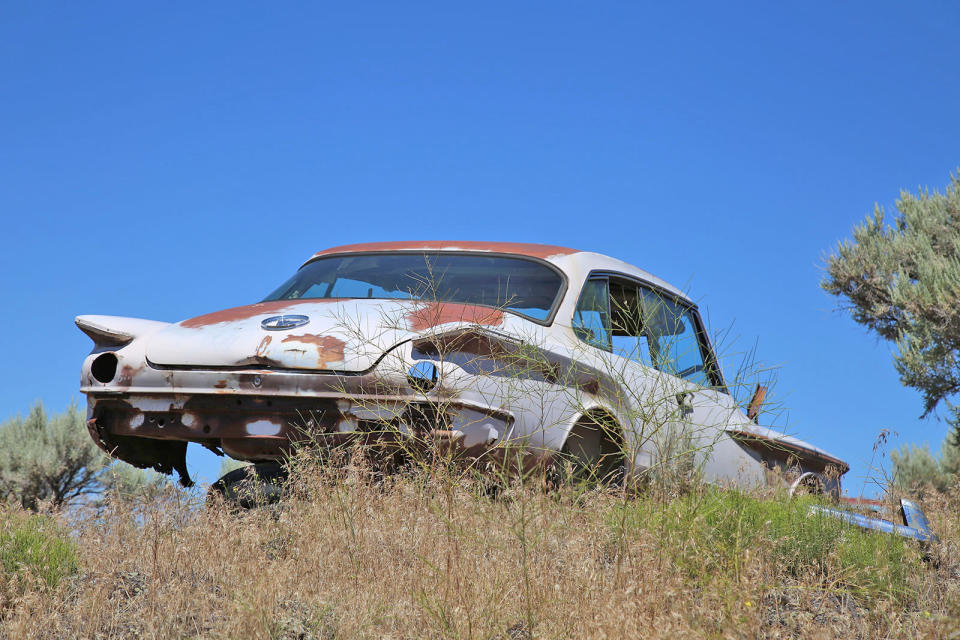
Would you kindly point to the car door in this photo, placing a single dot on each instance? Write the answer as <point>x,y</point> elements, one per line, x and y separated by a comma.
<point>672,393</point>
<point>608,318</point>
<point>697,438</point>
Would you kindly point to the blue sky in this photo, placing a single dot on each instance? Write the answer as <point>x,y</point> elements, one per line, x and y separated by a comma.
<point>168,159</point>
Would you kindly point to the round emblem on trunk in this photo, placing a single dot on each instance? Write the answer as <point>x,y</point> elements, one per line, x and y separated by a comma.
<point>278,323</point>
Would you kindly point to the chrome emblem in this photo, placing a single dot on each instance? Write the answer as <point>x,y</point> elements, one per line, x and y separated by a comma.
<point>279,323</point>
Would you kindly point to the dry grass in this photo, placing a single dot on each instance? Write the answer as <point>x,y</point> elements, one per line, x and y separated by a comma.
<point>433,555</point>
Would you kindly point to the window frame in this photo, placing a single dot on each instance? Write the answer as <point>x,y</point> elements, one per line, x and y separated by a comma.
<point>703,341</point>
<point>576,306</point>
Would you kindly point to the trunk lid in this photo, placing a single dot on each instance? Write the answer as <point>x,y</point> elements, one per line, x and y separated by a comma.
<point>347,335</point>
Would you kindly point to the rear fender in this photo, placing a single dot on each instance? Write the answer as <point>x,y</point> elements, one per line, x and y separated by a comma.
<point>116,331</point>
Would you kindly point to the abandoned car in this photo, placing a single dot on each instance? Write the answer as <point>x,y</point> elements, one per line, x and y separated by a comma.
<point>490,351</point>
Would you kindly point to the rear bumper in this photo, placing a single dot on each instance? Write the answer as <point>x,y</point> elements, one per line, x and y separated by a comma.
<point>153,430</point>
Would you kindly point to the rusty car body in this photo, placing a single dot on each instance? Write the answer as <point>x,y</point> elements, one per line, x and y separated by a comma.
<point>470,347</point>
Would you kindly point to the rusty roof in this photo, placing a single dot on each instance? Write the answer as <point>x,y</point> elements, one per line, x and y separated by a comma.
<point>520,248</point>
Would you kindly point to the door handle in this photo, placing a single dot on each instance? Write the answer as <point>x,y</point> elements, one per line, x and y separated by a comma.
<point>685,402</point>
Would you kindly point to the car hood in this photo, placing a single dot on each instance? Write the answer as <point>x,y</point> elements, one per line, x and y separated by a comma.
<point>772,440</point>
<point>347,335</point>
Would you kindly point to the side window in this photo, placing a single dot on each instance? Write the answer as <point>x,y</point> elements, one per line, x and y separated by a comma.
<point>629,338</point>
<point>591,320</point>
<point>641,324</point>
<point>673,338</point>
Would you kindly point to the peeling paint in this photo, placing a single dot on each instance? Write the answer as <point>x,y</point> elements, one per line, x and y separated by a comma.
<point>155,404</point>
<point>262,347</point>
<point>127,374</point>
<point>246,312</point>
<point>329,349</point>
<point>264,428</point>
<point>432,314</point>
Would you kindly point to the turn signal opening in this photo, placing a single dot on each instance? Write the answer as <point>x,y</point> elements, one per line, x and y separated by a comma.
<point>104,367</point>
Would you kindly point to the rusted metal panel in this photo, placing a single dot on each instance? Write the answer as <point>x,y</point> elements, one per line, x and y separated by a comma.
<point>779,447</point>
<point>329,349</point>
<point>434,314</point>
<point>515,248</point>
<point>756,402</point>
<point>249,311</point>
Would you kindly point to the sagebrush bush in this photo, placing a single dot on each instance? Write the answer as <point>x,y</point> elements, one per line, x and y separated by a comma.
<point>51,461</point>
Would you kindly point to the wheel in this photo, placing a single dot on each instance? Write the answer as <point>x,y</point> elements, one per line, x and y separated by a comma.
<point>808,483</point>
<point>252,486</point>
<point>593,452</point>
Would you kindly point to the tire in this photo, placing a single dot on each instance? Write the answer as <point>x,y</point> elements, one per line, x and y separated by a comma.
<point>808,484</point>
<point>253,486</point>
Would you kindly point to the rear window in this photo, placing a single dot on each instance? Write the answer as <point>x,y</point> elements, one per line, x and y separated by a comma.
<point>527,287</point>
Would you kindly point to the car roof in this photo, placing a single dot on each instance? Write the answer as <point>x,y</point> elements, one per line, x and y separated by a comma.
<point>518,248</point>
<point>570,260</point>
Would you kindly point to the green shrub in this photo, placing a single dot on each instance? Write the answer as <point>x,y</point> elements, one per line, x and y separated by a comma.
<point>48,458</point>
<point>35,545</point>
<point>123,480</point>
<point>51,459</point>
<point>916,467</point>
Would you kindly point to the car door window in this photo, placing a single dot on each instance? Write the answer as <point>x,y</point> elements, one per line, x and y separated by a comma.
<point>591,319</point>
<point>644,325</point>
<point>673,337</point>
<point>628,337</point>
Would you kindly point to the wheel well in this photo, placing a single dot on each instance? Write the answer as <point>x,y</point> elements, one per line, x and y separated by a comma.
<point>596,440</point>
<point>599,417</point>
<point>809,483</point>
<point>251,486</point>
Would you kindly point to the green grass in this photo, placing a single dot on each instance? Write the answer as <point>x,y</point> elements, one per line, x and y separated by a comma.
<point>712,534</point>
<point>35,545</point>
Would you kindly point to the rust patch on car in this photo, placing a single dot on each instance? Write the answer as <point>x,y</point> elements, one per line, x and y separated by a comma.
<point>127,374</point>
<point>329,349</point>
<point>432,314</point>
<point>756,402</point>
<point>246,312</point>
<point>221,384</point>
<point>518,248</point>
<point>783,450</point>
<point>262,347</point>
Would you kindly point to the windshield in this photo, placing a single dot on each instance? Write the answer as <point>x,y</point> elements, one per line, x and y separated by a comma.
<point>524,286</point>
